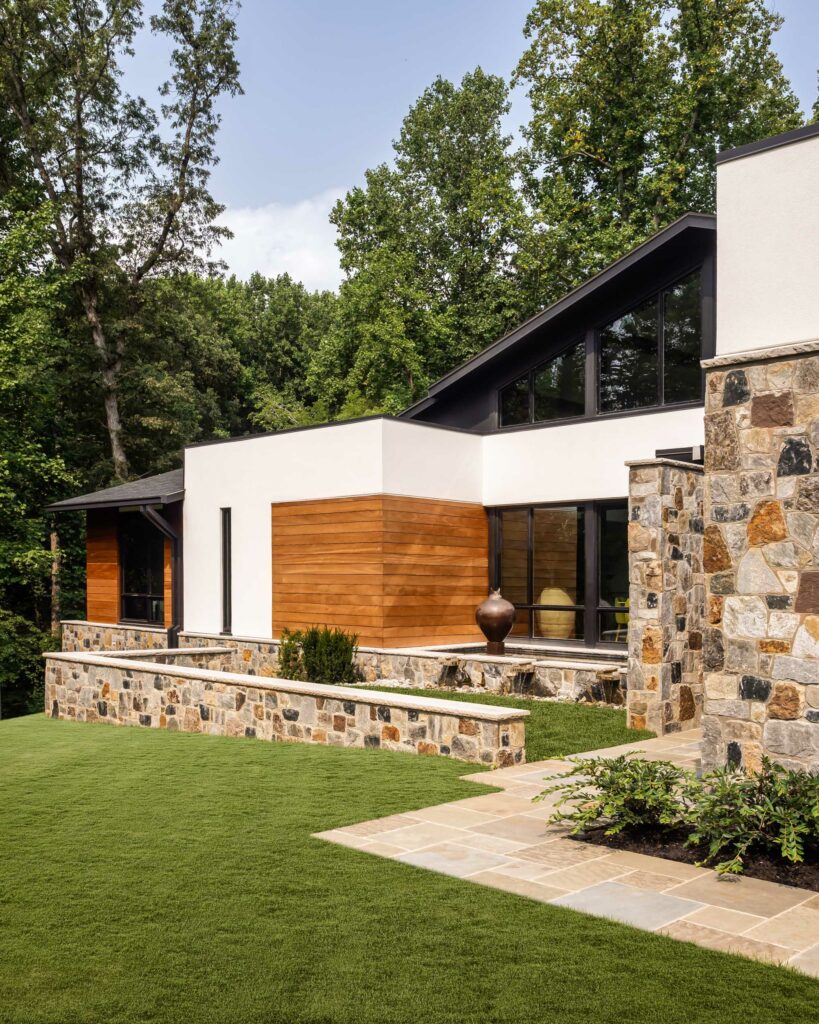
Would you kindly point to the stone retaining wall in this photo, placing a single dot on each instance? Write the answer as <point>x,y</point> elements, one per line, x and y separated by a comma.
<point>539,677</point>
<point>667,595</point>
<point>131,691</point>
<point>761,555</point>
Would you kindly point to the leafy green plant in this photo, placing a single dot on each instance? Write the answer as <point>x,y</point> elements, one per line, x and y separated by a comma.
<point>773,811</point>
<point>623,793</point>
<point>320,655</point>
<point>291,663</point>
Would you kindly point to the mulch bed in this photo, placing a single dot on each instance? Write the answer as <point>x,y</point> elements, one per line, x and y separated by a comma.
<point>671,846</point>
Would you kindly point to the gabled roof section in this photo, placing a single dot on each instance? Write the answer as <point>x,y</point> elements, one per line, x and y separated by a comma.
<point>161,489</point>
<point>645,251</point>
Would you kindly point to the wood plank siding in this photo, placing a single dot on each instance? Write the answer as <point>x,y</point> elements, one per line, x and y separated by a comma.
<point>397,571</point>
<point>102,566</point>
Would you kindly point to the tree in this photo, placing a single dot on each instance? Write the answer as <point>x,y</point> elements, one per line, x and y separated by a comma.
<point>127,187</point>
<point>631,101</point>
<point>428,246</point>
<point>33,470</point>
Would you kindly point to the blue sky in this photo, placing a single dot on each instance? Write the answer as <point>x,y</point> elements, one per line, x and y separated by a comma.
<point>327,84</point>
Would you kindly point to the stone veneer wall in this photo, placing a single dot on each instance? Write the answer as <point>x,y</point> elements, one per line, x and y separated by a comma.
<point>761,556</point>
<point>535,677</point>
<point>123,691</point>
<point>666,595</point>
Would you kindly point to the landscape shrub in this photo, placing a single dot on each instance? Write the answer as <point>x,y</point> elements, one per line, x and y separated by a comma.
<point>729,815</point>
<point>623,793</point>
<point>774,811</point>
<point>320,655</point>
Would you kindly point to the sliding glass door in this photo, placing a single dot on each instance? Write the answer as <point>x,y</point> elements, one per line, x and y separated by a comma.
<point>565,568</point>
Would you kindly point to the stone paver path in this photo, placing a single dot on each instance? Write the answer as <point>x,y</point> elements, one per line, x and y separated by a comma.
<point>503,840</point>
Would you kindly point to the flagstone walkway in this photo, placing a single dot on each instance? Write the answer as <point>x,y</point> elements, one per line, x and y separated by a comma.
<point>503,840</point>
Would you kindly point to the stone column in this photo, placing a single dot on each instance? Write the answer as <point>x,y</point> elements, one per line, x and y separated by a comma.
<point>761,556</point>
<point>667,595</point>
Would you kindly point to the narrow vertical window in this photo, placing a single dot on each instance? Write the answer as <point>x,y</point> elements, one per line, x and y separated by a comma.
<point>226,572</point>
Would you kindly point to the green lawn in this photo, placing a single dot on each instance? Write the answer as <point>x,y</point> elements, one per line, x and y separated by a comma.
<point>552,729</point>
<point>148,876</point>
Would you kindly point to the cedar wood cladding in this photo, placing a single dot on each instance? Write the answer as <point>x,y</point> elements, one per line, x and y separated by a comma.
<point>397,571</point>
<point>102,568</point>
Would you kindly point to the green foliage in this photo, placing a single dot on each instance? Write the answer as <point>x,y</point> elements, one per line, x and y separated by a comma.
<point>730,813</point>
<point>622,793</point>
<point>319,655</point>
<point>428,245</point>
<point>774,811</point>
<point>631,101</point>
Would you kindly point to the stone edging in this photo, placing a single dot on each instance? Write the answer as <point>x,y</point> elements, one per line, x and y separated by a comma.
<point>761,355</point>
<point>695,467</point>
<point>434,705</point>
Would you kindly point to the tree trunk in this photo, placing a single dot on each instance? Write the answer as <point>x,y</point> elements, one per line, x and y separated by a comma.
<point>56,560</point>
<point>111,364</point>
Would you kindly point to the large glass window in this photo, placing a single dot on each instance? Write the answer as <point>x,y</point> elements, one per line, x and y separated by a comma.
<point>629,360</point>
<point>142,561</point>
<point>555,390</point>
<point>558,572</point>
<point>682,341</point>
<point>541,555</point>
<point>650,355</point>
<point>514,403</point>
<point>560,385</point>
<point>613,599</point>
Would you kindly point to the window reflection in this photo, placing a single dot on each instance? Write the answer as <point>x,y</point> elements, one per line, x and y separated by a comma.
<point>628,360</point>
<point>682,340</point>
<point>142,557</point>
<point>560,385</point>
<point>514,403</point>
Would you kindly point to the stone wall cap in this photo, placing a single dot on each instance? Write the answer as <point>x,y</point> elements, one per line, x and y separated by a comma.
<point>172,652</point>
<point>432,705</point>
<point>674,463</point>
<point>758,355</point>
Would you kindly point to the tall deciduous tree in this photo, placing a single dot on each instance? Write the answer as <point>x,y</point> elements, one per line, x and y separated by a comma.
<point>127,185</point>
<point>428,245</point>
<point>631,101</point>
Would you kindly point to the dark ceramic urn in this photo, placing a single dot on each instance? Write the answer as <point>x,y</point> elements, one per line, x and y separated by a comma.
<point>495,616</point>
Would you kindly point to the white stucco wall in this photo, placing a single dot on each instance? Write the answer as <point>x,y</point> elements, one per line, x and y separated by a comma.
<point>768,248</point>
<point>247,476</point>
<point>582,460</point>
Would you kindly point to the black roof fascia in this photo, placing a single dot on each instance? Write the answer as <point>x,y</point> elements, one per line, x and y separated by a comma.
<point>702,221</point>
<point>160,489</point>
<point>807,131</point>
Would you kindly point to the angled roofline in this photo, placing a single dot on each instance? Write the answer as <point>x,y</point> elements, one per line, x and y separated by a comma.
<point>807,131</point>
<point>687,221</point>
<point>159,489</point>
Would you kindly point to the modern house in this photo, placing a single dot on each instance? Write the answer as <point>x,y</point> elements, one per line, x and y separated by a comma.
<point>511,472</point>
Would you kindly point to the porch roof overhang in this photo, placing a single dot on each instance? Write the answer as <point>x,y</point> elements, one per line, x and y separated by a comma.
<point>161,489</point>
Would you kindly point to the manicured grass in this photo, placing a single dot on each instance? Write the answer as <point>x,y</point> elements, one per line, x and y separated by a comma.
<point>149,876</point>
<point>552,730</point>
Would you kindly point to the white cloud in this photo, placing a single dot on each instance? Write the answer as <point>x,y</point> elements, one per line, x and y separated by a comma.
<point>296,238</point>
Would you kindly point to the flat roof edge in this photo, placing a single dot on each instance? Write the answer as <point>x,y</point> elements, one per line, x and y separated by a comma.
<point>807,131</point>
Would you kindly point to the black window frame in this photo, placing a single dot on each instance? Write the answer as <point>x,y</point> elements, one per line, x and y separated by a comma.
<point>592,605</point>
<point>530,374</point>
<point>591,334</point>
<point>225,515</point>
<point>147,597</point>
